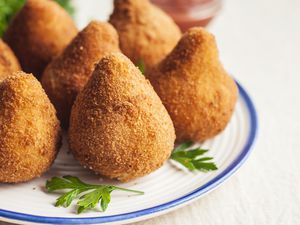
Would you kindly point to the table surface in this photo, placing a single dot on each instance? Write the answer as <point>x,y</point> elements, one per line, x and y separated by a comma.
<point>259,43</point>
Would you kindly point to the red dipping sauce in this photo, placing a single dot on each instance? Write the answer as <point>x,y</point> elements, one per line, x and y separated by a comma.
<point>190,13</point>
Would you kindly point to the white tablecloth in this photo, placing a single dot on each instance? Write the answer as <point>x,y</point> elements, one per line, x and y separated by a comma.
<point>259,42</point>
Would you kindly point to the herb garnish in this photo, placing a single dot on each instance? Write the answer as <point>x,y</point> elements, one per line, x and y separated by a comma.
<point>190,158</point>
<point>89,195</point>
<point>8,8</point>
<point>141,66</point>
<point>67,5</point>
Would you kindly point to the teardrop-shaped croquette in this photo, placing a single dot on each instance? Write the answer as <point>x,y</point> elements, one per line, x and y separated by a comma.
<point>8,61</point>
<point>38,33</point>
<point>29,129</point>
<point>119,128</point>
<point>66,75</point>
<point>147,34</point>
<point>194,87</point>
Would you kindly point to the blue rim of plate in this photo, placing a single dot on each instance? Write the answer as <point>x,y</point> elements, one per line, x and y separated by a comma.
<point>156,209</point>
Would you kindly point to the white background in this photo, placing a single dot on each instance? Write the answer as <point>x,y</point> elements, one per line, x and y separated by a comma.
<point>259,43</point>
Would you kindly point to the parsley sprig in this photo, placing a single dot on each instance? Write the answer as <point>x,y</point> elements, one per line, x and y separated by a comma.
<point>192,158</point>
<point>89,195</point>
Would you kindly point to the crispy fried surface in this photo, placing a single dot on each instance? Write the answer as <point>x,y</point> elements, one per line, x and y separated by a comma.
<point>8,61</point>
<point>29,129</point>
<point>194,87</point>
<point>65,76</point>
<point>146,32</point>
<point>39,32</point>
<point>119,127</point>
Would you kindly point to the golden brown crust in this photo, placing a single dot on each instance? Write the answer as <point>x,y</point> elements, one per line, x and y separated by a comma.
<point>146,32</point>
<point>119,127</point>
<point>29,129</point>
<point>8,61</point>
<point>66,75</point>
<point>194,87</point>
<point>39,32</point>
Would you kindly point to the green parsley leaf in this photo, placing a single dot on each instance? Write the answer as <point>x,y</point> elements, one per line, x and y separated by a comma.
<point>141,66</point>
<point>105,200</point>
<point>89,195</point>
<point>183,146</point>
<point>8,8</point>
<point>67,5</point>
<point>191,158</point>
<point>66,199</point>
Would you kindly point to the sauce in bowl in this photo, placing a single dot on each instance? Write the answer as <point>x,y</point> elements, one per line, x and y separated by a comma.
<point>190,13</point>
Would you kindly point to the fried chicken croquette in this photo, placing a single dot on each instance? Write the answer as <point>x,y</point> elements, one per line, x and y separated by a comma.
<point>29,129</point>
<point>65,76</point>
<point>38,33</point>
<point>147,34</point>
<point>194,87</point>
<point>119,127</point>
<point>8,61</point>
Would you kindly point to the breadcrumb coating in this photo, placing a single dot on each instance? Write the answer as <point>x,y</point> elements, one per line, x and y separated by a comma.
<point>38,33</point>
<point>146,33</point>
<point>65,76</point>
<point>119,127</point>
<point>29,129</point>
<point>194,87</point>
<point>8,61</point>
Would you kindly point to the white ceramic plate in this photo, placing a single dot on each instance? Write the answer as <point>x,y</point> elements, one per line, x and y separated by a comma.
<point>166,189</point>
